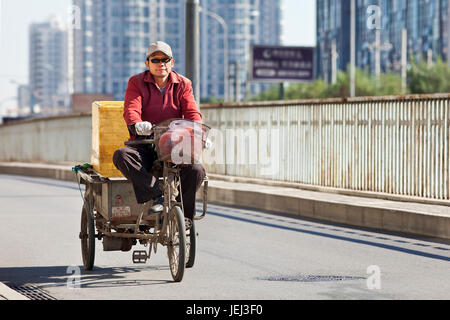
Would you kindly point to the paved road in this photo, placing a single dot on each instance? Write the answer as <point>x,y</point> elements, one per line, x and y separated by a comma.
<point>242,254</point>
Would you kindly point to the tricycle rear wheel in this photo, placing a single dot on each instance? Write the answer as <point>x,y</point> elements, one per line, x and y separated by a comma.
<point>191,246</point>
<point>87,236</point>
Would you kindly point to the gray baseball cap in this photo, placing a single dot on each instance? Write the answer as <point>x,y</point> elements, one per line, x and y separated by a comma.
<point>159,46</point>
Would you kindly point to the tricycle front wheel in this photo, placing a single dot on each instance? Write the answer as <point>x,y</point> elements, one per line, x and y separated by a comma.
<point>176,247</point>
<point>87,236</point>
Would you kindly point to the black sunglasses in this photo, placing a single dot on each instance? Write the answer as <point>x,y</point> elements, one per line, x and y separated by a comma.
<point>164,60</point>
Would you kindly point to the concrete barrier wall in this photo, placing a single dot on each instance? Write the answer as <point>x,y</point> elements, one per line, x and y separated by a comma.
<point>62,139</point>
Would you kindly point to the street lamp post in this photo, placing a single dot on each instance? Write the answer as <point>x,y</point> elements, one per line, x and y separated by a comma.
<point>377,46</point>
<point>404,59</point>
<point>193,46</point>
<point>225,48</point>
<point>352,47</point>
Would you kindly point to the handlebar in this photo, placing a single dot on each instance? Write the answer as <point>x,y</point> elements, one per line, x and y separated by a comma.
<point>139,142</point>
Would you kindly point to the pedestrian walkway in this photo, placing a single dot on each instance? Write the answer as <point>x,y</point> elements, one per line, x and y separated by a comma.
<point>409,217</point>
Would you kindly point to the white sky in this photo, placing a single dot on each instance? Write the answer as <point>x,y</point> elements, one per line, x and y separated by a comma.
<point>16,15</point>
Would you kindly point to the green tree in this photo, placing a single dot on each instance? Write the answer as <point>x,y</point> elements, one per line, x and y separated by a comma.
<point>423,78</point>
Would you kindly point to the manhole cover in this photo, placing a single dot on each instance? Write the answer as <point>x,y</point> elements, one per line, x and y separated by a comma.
<point>32,292</point>
<point>311,278</point>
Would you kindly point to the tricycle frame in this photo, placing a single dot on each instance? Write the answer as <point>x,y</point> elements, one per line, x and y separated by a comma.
<point>142,230</point>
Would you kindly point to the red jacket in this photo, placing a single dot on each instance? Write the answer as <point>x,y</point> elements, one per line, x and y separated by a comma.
<point>145,102</point>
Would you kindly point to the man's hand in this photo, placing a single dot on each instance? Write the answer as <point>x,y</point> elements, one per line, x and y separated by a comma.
<point>143,128</point>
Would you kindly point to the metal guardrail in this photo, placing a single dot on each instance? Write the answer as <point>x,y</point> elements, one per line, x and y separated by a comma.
<point>396,144</point>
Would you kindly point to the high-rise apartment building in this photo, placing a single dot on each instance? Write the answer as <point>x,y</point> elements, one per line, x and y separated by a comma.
<point>379,25</point>
<point>247,22</point>
<point>110,45</point>
<point>48,66</point>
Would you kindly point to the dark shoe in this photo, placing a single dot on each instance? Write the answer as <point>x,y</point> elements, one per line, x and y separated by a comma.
<point>157,206</point>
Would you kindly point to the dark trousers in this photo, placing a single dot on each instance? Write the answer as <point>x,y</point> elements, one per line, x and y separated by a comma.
<point>136,164</point>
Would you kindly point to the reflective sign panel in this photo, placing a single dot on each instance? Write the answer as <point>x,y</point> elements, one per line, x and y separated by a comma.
<point>279,63</point>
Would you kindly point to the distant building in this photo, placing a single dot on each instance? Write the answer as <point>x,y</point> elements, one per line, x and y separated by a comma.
<point>111,44</point>
<point>82,102</point>
<point>23,97</point>
<point>248,22</point>
<point>333,37</point>
<point>426,22</point>
<point>48,66</point>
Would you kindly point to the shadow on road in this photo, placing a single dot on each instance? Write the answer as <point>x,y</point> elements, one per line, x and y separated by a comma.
<point>57,276</point>
<point>328,230</point>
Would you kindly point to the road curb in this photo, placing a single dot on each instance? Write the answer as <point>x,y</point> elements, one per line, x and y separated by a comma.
<point>50,171</point>
<point>376,214</point>
<point>422,219</point>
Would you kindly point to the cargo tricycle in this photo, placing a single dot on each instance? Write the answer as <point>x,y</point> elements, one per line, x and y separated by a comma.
<point>111,213</point>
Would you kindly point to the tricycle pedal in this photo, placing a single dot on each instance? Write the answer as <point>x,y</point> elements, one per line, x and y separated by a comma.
<point>139,256</point>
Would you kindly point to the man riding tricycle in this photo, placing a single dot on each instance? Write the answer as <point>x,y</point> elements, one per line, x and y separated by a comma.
<point>161,164</point>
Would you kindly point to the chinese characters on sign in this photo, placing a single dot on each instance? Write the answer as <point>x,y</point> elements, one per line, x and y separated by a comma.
<point>275,64</point>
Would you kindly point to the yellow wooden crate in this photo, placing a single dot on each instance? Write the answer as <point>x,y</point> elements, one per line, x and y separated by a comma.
<point>109,132</point>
